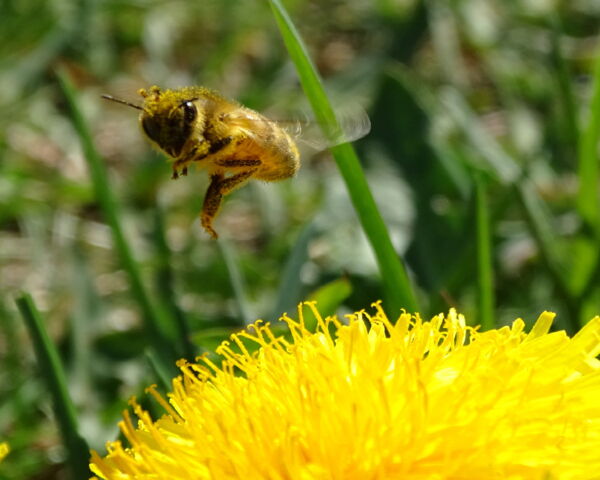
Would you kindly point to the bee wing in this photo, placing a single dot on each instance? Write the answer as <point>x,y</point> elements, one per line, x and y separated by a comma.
<point>251,123</point>
<point>352,124</point>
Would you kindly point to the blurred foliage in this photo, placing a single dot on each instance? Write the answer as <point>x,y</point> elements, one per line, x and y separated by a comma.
<point>459,91</point>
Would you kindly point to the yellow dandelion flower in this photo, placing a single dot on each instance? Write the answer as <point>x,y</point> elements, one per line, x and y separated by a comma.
<point>4,450</point>
<point>367,398</point>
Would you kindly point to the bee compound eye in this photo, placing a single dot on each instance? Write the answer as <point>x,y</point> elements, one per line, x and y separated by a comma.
<point>189,112</point>
<point>151,128</point>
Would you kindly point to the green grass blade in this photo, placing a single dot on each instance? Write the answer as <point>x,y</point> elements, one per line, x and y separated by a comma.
<point>587,198</point>
<point>396,284</point>
<point>54,376</point>
<point>155,320</point>
<point>485,270</point>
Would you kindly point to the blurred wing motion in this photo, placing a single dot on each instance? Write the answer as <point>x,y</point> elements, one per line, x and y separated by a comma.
<point>352,124</point>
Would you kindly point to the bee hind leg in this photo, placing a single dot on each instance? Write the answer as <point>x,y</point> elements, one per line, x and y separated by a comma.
<point>238,162</point>
<point>212,202</point>
<point>229,184</point>
<point>218,188</point>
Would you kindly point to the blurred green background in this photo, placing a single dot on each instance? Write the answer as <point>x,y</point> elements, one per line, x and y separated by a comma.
<point>466,97</point>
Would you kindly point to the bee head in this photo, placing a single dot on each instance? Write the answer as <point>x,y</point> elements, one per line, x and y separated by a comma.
<point>168,117</point>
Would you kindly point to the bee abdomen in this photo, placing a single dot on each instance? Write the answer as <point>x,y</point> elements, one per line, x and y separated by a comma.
<point>282,159</point>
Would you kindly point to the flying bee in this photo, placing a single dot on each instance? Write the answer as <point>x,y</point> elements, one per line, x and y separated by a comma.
<point>196,125</point>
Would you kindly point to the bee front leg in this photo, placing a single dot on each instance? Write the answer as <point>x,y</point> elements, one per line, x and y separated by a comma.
<point>183,163</point>
<point>175,175</point>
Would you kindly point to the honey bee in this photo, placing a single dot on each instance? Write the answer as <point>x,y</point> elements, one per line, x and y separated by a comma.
<point>196,125</point>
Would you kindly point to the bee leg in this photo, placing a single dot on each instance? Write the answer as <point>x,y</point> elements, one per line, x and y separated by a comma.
<point>175,175</point>
<point>238,162</point>
<point>176,171</point>
<point>231,183</point>
<point>218,188</point>
<point>182,163</point>
<point>212,202</point>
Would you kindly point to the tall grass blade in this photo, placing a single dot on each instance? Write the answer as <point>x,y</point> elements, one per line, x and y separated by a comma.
<point>396,284</point>
<point>587,198</point>
<point>53,374</point>
<point>485,270</point>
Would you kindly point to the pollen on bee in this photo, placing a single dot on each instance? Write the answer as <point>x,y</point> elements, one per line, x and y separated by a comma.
<point>195,125</point>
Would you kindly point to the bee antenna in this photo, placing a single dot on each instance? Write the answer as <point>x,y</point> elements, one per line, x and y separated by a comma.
<point>118,100</point>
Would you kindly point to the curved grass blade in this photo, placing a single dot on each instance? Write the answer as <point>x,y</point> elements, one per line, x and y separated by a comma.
<point>396,284</point>
<point>54,376</point>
